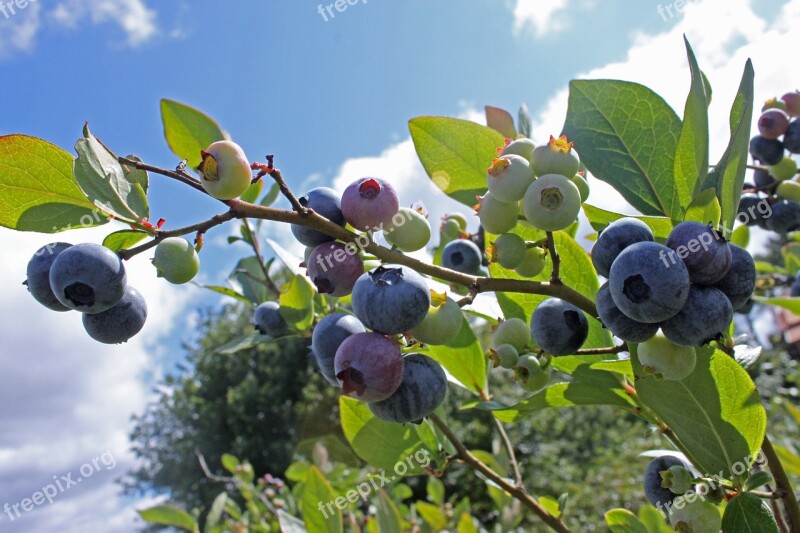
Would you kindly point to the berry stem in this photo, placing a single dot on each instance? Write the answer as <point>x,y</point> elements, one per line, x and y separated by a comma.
<point>555,277</point>
<point>602,351</point>
<point>517,492</point>
<point>276,175</point>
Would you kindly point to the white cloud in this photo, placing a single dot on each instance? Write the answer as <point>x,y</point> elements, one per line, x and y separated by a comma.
<point>544,18</point>
<point>67,399</point>
<point>18,29</point>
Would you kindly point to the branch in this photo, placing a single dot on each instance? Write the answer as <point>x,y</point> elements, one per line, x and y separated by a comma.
<point>782,484</point>
<point>517,492</point>
<point>512,457</point>
<point>555,277</point>
<point>180,176</point>
<point>276,175</point>
<point>602,351</point>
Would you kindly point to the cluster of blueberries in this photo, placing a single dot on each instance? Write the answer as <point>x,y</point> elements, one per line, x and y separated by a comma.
<point>689,288</point>
<point>771,201</point>
<point>91,279</point>
<point>362,353</point>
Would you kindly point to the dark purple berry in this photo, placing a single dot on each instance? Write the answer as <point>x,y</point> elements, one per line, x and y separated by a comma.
<point>334,268</point>
<point>370,204</point>
<point>368,366</point>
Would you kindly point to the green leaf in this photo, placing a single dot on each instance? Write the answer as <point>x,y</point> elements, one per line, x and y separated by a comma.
<point>252,192</point>
<point>578,273</point>
<point>229,462</point>
<point>741,236</point>
<point>388,516</point>
<point>38,191</point>
<point>746,513</point>
<point>500,121</point>
<point>124,239</point>
<point>758,479</point>
<point>291,261</point>
<point>290,524</point>
<point>271,196</point>
<point>705,208</point>
<point>103,180</point>
<point>691,156</point>
<point>789,459</point>
<point>715,412</point>
<point>727,177</point>
<point>435,490</point>
<point>249,275</point>
<point>242,342</point>
<point>790,304</point>
<point>627,136</point>
<point>551,505</point>
<point>297,303</point>
<point>600,218</point>
<point>463,358</point>
<point>653,520</point>
<point>624,521</point>
<point>135,175</point>
<point>432,514</point>
<point>188,131</point>
<point>381,444</point>
<point>319,518</point>
<point>229,292</point>
<point>791,256</point>
<point>456,154</point>
<point>168,515</point>
<point>466,524</point>
<point>215,514</point>
<point>524,121</point>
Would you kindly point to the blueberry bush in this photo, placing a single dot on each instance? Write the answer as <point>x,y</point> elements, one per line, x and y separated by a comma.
<point>657,339</point>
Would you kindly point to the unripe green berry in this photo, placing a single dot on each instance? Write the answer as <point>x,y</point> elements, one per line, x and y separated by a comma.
<point>448,231</point>
<point>509,177</point>
<point>788,190</point>
<point>695,517</point>
<point>414,232</point>
<point>534,262</point>
<point>552,202</point>
<point>555,157</point>
<point>224,172</point>
<point>582,185</point>
<point>497,217</point>
<point>176,260</point>
<point>677,479</point>
<point>784,170</point>
<point>664,358</point>
<point>530,374</point>
<point>505,356</point>
<point>458,217</point>
<point>508,250</point>
<point>442,323</point>
<point>522,147</point>
<point>513,331</point>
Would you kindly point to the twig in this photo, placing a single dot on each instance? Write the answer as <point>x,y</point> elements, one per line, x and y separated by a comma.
<point>180,176</point>
<point>233,480</point>
<point>512,457</point>
<point>601,351</point>
<point>782,483</point>
<point>517,492</point>
<point>276,175</point>
<point>555,277</point>
<point>469,298</point>
<point>257,251</point>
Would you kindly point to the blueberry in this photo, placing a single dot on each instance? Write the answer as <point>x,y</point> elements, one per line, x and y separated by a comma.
<point>704,251</point>
<point>768,151</point>
<point>368,366</point>
<point>649,282</point>
<point>788,190</point>
<point>616,237</point>
<point>698,516</point>
<point>582,185</point>
<point>121,322</point>
<point>496,217</point>
<point>422,389</point>
<point>522,147</point>
<point>533,263</point>
<point>509,250</point>
<point>513,331</point>
<point>552,202</point>
<point>391,299</point>
<point>410,230</point>
<point>38,279</point>
<point>792,101</point>
<point>88,278</point>
<point>530,374</point>
<point>784,218</point>
<point>442,323</point>
<point>558,327</point>
<point>773,123</point>
<point>764,181</point>
<point>225,171</point>
<point>748,305</point>
<point>785,169</point>
<point>618,322</point>
<point>505,356</point>
<point>705,317</point>
<point>555,157</point>
<point>740,281</point>
<point>794,290</point>
<point>326,338</point>
<point>370,204</point>
<point>268,320</point>
<point>176,260</point>
<point>748,212</point>
<point>509,178</point>
<point>334,268</point>
<point>325,202</point>
<point>463,256</point>
<point>661,357</point>
<point>658,495</point>
<point>459,218</point>
<point>791,138</point>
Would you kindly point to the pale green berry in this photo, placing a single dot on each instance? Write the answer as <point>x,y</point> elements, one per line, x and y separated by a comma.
<point>530,374</point>
<point>505,356</point>
<point>509,177</point>
<point>677,479</point>
<point>458,217</point>
<point>497,217</point>
<point>522,147</point>
<point>552,202</point>
<point>176,260</point>
<point>442,323</point>
<point>508,250</point>
<point>582,185</point>
<point>695,517</point>
<point>513,331</point>
<point>664,358</point>
<point>533,263</point>
<point>224,172</point>
<point>788,190</point>
<point>412,234</point>
<point>555,157</point>
<point>784,170</point>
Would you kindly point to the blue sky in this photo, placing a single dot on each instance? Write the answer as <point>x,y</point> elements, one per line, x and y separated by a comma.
<point>331,100</point>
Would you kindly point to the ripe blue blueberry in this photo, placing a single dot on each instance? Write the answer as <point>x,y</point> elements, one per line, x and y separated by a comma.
<point>764,181</point>
<point>462,255</point>
<point>268,320</point>
<point>442,323</point>
<point>88,278</point>
<point>391,299</point>
<point>785,217</point>
<point>705,317</point>
<point>649,282</point>
<point>773,123</point>
<point>326,338</point>
<point>748,211</point>
<point>368,366</point>
<point>422,389</point>
<point>119,323</point>
<point>370,204</point>
<point>509,178</point>
<point>703,250</point>
<point>618,322</point>
<point>496,217</point>
<point>558,327</point>
<point>513,331</point>
<point>616,237</point>
<point>740,281</point>
<point>334,268</point>
<point>325,202</point>
<point>791,138</point>
<point>38,279</point>
<point>658,495</point>
<point>767,151</point>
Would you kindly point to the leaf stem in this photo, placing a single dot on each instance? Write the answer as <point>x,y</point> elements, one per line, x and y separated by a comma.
<point>519,493</point>
<point>782,484</point>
